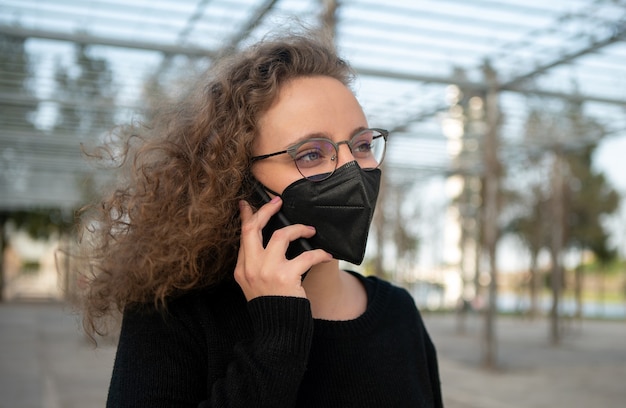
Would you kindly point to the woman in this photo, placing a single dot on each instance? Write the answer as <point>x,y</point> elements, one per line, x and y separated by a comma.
<point>227,305</point>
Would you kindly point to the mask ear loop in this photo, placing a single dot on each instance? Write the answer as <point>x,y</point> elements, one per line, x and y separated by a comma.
<point>267,189</point>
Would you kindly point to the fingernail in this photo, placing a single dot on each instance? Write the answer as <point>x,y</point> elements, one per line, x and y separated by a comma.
<point>275,199</point>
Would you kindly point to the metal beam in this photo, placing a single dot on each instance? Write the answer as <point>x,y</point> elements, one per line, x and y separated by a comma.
<point>96,105</point>
<point>408,76</point>
<point>577,97</point>
<point>87,39</point>
<point>512,86</point>
<point>618,35</point>
<point>252,23</point>
<point>197,14</point>
<point>167,60</point>
<point>479,86</point>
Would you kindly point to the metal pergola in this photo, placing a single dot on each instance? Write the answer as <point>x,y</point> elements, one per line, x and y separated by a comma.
<point>418,62</point>
<point>407,53</point>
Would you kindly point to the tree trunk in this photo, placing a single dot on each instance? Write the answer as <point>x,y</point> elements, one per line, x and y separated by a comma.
<point>328,17</point>
<point>578,291</point>
<point>533,286</point>
<point>462,306</point>
<point>556,247</point>
<point>491,212</point>
<point>602,302</point>
<point>3,221</point>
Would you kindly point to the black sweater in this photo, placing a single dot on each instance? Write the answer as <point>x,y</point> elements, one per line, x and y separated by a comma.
<point>214,349</point>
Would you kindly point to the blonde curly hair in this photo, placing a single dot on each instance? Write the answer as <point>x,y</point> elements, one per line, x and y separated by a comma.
<point>170,223</point>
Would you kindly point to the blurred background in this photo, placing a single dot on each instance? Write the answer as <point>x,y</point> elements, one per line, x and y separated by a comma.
<point>505,169</point>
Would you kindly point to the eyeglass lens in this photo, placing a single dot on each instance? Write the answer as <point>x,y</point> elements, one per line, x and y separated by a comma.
<point>316,159</point>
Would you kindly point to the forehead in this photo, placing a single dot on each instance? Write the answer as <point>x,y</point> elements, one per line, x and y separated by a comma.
<point>310,106</point>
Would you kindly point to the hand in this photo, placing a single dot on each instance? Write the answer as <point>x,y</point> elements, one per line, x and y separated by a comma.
<point>266,271</point>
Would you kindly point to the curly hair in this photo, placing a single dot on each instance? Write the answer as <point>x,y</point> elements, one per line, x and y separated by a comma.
<point>170,223</point>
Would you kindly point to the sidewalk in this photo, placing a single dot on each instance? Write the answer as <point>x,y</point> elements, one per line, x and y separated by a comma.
<point>587,370</point>
<point>45,362</point>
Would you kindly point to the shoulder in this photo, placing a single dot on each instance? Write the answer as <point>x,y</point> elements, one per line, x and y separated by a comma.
<point>398,308</point>
<point>190,311</point>
<point>389,300</point>
<point>377,287</point>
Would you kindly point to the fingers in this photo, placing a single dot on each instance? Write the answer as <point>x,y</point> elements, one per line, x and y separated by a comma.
<point>307,259</point>
<point>283,237</point>
<point>252,223</point>
<point>266,271</point>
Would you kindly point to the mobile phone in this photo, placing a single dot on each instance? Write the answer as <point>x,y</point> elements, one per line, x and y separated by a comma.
<point>277,221</point>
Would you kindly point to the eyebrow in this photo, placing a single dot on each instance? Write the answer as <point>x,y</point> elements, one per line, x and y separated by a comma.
<point>322,135</point>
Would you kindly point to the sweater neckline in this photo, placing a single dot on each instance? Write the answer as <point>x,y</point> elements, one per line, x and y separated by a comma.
<point>377,295</point>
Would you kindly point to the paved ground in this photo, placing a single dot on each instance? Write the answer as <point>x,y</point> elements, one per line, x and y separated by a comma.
<point>587,370</point>
<point>45,362</point>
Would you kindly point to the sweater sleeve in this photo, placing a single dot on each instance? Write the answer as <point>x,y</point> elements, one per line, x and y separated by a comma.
<point>433,371</point>
<point>162,361</point>
<point>267,370</point>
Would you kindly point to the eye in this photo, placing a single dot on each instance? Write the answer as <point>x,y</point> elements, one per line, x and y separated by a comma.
<point>313,153</point>
<point>361,144</point>
<point>308,157</point>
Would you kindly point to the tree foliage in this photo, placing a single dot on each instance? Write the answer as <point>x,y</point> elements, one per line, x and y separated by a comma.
<point>587,195</point>
<point>15,70</point>
<point>15,117</point>
<point>87,90</point>
<point>589,198</point>
<point>560,150</point>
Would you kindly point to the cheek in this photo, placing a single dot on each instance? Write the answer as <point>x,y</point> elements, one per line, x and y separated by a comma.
<point>276,176</point>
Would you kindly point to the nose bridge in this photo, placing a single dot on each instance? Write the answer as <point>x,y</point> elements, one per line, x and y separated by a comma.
<point>345,155</point>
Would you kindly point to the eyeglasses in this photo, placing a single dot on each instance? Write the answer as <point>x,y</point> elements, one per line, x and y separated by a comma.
<point>316,158</point>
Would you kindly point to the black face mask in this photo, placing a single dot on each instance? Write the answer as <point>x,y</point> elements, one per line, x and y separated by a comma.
<point>340,208</point>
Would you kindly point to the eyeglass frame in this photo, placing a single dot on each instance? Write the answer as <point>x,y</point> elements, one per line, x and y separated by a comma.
<point>293,150</point>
